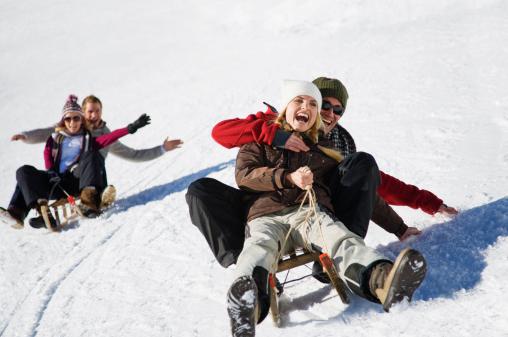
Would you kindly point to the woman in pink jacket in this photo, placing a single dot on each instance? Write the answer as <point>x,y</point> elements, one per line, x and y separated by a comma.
<point>72,164</point>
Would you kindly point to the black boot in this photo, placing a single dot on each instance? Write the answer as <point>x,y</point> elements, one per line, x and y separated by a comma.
<point>243,307</point>
<point>38,222</point>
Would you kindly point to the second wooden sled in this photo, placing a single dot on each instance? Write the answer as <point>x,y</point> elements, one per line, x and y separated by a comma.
<point>63,210</point>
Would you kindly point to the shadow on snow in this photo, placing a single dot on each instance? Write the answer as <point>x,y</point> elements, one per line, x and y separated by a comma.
<point>455,250</point>
<point>455,254</point>
<point>160,192</point>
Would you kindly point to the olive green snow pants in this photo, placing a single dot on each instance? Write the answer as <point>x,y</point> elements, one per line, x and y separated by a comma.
<point>267,233</point>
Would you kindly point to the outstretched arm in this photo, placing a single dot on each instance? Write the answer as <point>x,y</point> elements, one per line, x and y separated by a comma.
<point>110,138</point>
<point>125,152</point>
<point>237,132</point>
<point>34,136</point>
<point>258,128</point>
<point>398,193</point>
<point>385,217</point>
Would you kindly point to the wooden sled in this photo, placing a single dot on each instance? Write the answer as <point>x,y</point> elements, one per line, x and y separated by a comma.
<point>63,210</point>
<point>300,258</point>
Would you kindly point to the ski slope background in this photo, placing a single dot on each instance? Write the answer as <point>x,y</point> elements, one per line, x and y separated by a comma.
<point>428,85</point>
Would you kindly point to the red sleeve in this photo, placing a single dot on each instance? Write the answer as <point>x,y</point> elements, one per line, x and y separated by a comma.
<point>109,138</point>
<point>398,193</point>
<point>255,128</point>
<point>48,158</point>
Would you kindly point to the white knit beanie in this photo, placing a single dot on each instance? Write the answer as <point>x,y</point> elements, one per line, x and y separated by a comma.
<point>293,88</point>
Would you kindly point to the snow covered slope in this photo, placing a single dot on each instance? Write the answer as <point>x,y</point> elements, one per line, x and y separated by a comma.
<point>427,83</point>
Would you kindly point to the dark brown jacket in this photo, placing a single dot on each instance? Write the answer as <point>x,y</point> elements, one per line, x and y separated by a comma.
<point>263,168</point>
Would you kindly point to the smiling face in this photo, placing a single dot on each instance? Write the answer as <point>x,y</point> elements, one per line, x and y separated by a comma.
<point>328,117</point>
<point>73,122</point>
<point>301,113</point>
<point>93,113</point>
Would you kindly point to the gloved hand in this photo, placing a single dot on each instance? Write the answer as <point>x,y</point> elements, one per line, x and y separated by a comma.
<point>143,120</point>
<point>54,178</point>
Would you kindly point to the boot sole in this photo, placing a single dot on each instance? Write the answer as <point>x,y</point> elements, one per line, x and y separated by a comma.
<point>242,298</point>
<point>407,274</point>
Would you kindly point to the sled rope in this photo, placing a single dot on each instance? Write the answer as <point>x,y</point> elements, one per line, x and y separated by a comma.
<point>310,194</point>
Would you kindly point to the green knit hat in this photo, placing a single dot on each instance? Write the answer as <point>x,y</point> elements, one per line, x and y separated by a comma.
<point>331,87</point>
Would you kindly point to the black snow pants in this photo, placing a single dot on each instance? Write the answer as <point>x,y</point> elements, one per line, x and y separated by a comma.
<point>219,211</point>
<point>33,184</point>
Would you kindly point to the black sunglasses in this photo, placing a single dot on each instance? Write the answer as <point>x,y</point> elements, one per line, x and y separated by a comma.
<point>337,109</point>
<point>73,118</point>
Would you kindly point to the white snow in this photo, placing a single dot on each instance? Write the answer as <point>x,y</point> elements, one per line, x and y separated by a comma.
<point>428,83</point>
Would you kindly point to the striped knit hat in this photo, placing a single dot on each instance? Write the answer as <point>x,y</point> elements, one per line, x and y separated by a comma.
<point>331,87</point>
<point>71,105</point>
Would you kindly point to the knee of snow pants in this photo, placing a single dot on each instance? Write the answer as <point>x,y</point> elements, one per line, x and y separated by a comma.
<point>33,184</point>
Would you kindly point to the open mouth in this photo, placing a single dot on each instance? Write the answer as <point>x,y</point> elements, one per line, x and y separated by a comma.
<point>302,117</point>
<point>326,121</point>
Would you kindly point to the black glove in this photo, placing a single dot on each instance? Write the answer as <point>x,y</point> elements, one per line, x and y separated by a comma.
<point>54,178</point>
<point>138,123</point>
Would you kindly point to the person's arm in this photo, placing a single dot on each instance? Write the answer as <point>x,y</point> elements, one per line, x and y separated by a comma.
<point>258,128</point>
<point>123,151</point>
<point>396,192</point>
<point>48,158</point>
<point>385,217</point>
<point>109,138</point>
<point>34,136</point>
<point>252,174</point>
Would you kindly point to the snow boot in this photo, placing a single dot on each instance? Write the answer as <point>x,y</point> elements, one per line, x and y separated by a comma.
<point>89,202</point>
<point>108,196</point>
<point>243,307</point>
<point>38,222</point>
<point>10,218</point>
<point>392,283</point>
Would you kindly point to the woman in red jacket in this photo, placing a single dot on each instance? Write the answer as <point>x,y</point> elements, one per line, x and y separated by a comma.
<point>71,160</point>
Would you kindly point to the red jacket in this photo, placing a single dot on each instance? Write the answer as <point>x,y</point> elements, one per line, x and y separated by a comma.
<point>256,128</point>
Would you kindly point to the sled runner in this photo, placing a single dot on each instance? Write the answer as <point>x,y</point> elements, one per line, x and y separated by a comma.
<point>299,258</point>
<point>66,207</point>
<point>61,212</point>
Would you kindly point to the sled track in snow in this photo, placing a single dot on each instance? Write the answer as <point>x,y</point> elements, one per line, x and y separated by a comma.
<point>44,291</point>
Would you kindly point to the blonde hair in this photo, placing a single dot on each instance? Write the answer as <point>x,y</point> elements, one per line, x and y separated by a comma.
<point>90,99</point>
<point>312,133</point>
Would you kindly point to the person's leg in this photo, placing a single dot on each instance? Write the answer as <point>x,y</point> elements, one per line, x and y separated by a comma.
<point>17,206</point>
<point>352,258</point>
<point>37,190</point>
<point>33,185</point>
<point>91,172</point>
<point>353,189</point>
<point>366,271</point>
<point>248,300</point>
<point>219,212</point>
